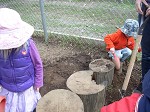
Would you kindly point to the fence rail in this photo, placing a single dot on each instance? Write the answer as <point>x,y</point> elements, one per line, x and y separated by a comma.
<point>91,19</point>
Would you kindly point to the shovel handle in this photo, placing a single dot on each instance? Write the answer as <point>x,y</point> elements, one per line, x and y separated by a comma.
<point>133,56</point>
<point>131,64</point>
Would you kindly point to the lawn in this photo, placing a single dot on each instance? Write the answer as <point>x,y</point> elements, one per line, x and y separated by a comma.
<point>91,19</point>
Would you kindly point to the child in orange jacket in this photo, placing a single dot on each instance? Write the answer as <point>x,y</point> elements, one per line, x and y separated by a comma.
<point>121,43</point>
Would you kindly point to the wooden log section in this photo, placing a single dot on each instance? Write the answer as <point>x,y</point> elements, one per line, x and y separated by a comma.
<point>60,100</point>
<point>92,95</point>
<point>103,70</point>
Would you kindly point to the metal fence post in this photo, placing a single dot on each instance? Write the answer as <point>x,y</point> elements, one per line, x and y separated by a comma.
<point>43,19</point>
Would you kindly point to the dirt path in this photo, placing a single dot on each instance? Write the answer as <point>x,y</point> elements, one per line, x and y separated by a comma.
<point>60,62</point>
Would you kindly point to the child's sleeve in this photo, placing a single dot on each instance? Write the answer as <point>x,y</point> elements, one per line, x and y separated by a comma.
<point>126,104</point>
<point>38,66</point>
<point>110,39</point>
<point>131,43</point>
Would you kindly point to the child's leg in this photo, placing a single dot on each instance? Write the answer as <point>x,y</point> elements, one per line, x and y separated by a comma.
<point>126,52</point>
<point>116,60</point>
<point>117,65</point>
<point>118,53</point>
<point>20,102</point>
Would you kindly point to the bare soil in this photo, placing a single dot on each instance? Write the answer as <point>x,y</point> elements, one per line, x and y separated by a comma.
<point>60,61</point>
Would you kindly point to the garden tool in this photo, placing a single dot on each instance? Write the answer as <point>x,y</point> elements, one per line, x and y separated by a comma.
<point>133,58</point>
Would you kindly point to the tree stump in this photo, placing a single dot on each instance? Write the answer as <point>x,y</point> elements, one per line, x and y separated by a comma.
<point>103,70</point>
<point>92,95</point>
<point>60,100</point>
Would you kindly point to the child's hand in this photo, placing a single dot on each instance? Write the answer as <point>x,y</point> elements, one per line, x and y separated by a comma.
<point>139,49</point>
<point>112,50</point>
<point>138,5</point>
<point>130,43</point>
<point>36,88</point>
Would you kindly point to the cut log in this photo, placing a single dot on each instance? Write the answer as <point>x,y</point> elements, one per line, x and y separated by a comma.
<point>103,70</point>
<point>60,100</point>
<point>92,95</point>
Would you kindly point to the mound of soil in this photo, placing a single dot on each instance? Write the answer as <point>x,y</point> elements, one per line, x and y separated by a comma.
<point>62,61</point>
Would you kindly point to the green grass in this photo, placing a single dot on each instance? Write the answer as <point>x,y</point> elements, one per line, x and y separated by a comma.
<point>87,19</point>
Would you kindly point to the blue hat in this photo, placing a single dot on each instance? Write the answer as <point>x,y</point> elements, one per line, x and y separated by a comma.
<point>130,27</point>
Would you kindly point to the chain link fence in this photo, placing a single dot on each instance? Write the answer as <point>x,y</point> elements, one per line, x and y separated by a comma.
<point>90,19</point>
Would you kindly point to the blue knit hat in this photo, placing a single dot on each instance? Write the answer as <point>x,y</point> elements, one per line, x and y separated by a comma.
<point>130,27</point>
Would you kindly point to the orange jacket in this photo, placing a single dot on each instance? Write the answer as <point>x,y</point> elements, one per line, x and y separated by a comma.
<point>119,40</point>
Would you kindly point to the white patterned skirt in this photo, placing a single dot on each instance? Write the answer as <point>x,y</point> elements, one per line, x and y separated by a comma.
<point>25,101</point>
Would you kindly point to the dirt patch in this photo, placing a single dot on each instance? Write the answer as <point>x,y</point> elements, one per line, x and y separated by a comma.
<point>60,62</point>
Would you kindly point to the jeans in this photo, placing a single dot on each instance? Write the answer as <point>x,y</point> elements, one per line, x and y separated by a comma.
<point>145,44</point>
<point>123,54</point>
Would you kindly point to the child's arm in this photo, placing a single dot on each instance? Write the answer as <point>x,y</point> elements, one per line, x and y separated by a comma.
<point>109,41</point>
<point>126,104</point>
<point>131,43</point>
<point>35,56</point>
<point>112,39</point>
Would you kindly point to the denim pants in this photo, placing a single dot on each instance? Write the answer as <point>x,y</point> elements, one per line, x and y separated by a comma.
<point>123,54</point>
<point>145,44</point>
